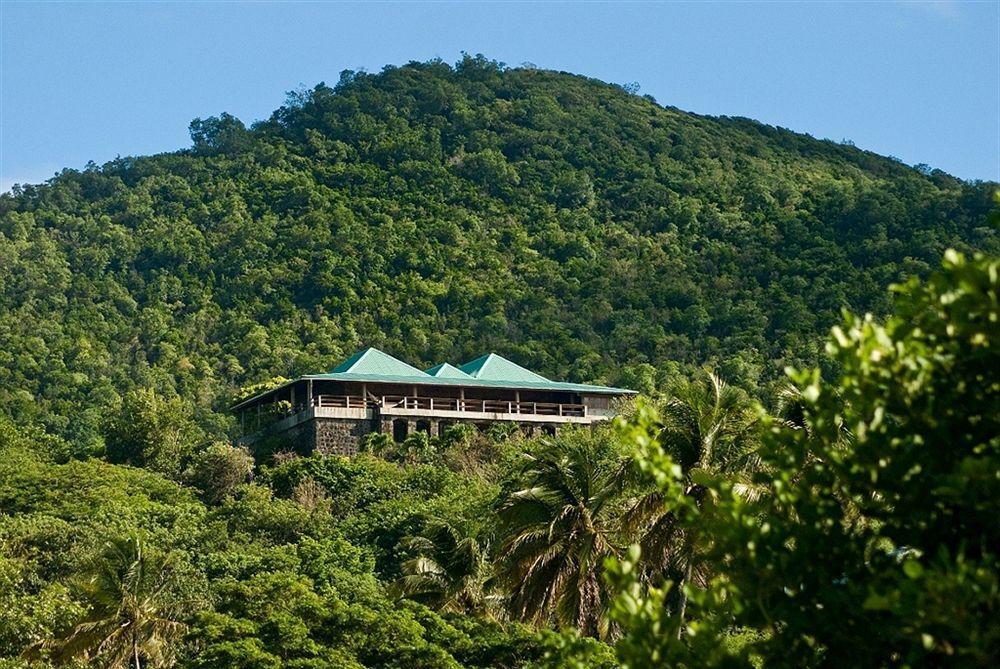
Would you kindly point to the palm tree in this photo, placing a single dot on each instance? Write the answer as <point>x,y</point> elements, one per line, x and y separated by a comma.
<point>555,534</point>
<point>708,427</point>
<point>135,614</point>
<point>448,571</point>
<point>790,407</point>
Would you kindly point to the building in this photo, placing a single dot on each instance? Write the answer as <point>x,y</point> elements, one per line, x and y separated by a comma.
<point>374,392</point>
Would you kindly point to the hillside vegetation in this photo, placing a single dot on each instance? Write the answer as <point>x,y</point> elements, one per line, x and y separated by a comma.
<point>856,525</point>
<point>440,212</point>
<point>841,515</point>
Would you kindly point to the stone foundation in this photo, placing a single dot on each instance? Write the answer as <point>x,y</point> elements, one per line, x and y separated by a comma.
<point>340,436</point>
<point>343,436</point>
<point>328,436</point>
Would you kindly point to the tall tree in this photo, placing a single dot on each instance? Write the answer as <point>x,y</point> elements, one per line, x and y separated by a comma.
<point>876,550</point>
<point>148,430</point>
<point>556,532</point>
<point>136,610</point>
<point>447,570</point>
<point>218,470</point>
<point>709,428</point>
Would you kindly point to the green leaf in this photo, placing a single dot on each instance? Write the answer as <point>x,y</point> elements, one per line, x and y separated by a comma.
<point>913,569</point>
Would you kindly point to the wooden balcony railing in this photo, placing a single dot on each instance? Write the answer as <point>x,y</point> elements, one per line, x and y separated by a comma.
<point>343,402</point>
<point>451,404</point>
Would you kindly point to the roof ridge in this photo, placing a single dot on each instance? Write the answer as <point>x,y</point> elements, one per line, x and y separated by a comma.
<point>446,369</point>
<point>493,366</point>
<point>373,361</point>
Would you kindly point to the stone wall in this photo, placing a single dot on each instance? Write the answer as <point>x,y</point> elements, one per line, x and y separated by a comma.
<point>301,438</point>
<point>329,436</point>
<point>340,436</point>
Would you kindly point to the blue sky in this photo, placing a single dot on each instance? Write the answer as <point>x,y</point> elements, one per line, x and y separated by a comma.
<point>90,81</point>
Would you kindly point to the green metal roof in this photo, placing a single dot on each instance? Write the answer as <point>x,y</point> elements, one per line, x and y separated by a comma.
<point>374,361</point>
<point>488,371</point>
<point>428,380</point>
<point>445,370</point>
<point>496,368</point>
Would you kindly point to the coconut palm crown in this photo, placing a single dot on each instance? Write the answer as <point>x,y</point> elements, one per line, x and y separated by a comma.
<point>135,615</point>
<point>709,427</point>
<point>555,535</point>
<point>447,571</point>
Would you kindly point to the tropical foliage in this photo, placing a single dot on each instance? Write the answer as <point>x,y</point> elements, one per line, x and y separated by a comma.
<point>879,549</point>
<point>556,534</point>
<point>857,524</point>
<point>136,615</point>
<point>709,428</point>
<point>440,212</point>
<point>250,579</point>
<point>845,515</point>
<point>447,570</point>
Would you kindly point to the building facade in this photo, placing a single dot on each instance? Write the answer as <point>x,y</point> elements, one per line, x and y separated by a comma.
<point>373,392</point>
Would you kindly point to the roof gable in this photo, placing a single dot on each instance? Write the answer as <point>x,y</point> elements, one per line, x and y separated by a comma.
<point>374,361</point>
<point>446,371</point>
<point>492,367</point>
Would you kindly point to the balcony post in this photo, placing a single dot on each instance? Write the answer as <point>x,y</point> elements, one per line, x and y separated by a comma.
<point>309,392</point>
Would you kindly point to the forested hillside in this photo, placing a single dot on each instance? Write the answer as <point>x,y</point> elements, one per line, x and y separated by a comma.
<point>439,212</point>
<point>842,514</point>
<point>854,525</point>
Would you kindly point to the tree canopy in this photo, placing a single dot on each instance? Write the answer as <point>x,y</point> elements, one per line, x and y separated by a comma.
<point>877,543</point>
<point>735,517</point>
<point>584,231</point>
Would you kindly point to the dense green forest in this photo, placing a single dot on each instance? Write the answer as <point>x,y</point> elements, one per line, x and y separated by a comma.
<point>736,515</point>
<point>854,524</point>
<point>439,212</point>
